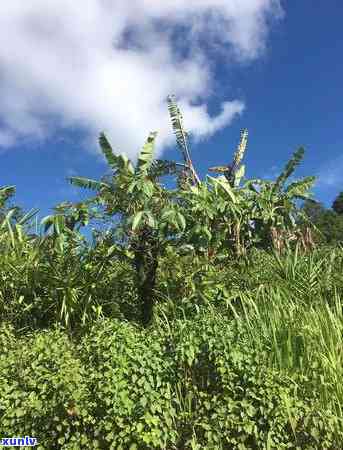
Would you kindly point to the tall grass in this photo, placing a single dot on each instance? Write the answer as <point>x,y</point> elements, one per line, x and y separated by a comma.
<point>299,317</point>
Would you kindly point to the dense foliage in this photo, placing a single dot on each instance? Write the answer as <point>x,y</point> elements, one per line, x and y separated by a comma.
<point>337,205</point>
<point>198,384</point>
<point>328,223</point>
<point>207,316</point>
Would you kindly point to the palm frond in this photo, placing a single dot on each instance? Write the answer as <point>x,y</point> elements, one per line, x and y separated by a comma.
<point>289,169</point>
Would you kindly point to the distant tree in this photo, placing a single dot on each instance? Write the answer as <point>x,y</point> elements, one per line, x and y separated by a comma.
<point>337,205</point>
<point>328,224</point>
<point>313,209</point>
<point>331,226</point>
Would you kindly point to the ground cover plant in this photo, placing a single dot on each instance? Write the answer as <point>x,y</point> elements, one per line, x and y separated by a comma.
<point>207,316</point>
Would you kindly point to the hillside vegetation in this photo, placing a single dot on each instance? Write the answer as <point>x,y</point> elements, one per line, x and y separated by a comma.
<point>203,316</point>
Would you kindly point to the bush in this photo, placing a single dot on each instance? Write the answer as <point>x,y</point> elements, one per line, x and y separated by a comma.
<point>197,384</point>
<point>41,379</point>
<point>39,287</point>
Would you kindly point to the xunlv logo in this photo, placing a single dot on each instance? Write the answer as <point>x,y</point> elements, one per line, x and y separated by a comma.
<point>18,441</point>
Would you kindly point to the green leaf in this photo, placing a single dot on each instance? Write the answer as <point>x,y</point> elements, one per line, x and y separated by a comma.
<point>56,221</point>
<point>87,183</point>
<point>137,219</point>
<point>148,188</point>
<point>300,187</point>
<point>239,175</point>
<point>181,221</point>
<point>28,216</point>
<point>223,183</point>
<point>177,123</point>
<point>6,192</point>
<point>111,158</point>
<point>167,214</point>
<point>289,169</point>
<point>150,219</point>
<point>146,155</point>
<point>181,137</point>
<point>239,154</point>
<point>160,168</point>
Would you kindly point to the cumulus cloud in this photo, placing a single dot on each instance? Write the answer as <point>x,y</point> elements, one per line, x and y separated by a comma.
<point>109,65</point>
<point>6,139</point>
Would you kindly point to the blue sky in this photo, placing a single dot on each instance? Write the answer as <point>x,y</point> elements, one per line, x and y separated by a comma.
<point>288,75</point>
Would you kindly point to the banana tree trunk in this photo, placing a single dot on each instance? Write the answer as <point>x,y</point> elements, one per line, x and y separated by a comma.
<point>146,264</point>
<point>262,231</point>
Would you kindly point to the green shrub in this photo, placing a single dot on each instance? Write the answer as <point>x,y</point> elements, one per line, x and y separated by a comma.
<point>131,380</point>
<point>195,384</point>
<point>40,287</point>
<point>232,399</point>
<point>41,379</point>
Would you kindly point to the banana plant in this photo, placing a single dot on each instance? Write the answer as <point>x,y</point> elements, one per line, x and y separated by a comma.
<point>217,218</point>
<point>234,172</point>
<point>243,216</point>
<point>13,221</point>
<point>276,201</point>
<point>148,218</point>
<point>13,230</point>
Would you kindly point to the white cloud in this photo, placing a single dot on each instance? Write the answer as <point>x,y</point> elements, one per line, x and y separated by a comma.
<point>330,174</point>
<point>6,139</point>
<point>109,65</point>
